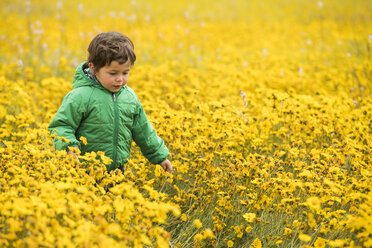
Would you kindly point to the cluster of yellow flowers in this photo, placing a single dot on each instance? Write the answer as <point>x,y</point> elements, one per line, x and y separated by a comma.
<point>265,108</point>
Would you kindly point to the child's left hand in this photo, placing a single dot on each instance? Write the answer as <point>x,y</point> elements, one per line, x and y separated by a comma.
<point>167,166</point>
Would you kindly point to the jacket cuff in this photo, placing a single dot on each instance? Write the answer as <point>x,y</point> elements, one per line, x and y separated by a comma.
<point>160,160</point>
<point>162,155</point>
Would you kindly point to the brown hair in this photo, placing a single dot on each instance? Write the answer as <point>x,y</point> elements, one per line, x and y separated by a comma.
<point>110,46</point>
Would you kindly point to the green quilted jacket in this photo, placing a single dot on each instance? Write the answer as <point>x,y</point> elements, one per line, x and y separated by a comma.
<point>109,122</point>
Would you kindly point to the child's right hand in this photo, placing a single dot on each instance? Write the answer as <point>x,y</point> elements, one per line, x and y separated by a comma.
<point>167,166</point>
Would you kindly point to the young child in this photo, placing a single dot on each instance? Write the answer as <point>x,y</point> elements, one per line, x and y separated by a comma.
<point>104,110</point>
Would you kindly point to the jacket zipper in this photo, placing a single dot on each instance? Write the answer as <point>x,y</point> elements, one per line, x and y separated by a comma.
<point>116,126</point>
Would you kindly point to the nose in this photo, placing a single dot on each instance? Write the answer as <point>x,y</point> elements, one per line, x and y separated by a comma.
<point>120,78</point>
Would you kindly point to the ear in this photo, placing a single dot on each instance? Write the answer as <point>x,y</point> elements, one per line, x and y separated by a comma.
<point>91,67</point>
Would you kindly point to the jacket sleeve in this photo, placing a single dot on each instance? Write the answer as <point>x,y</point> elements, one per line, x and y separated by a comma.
<point>152,147</point>
<point>67,120</point>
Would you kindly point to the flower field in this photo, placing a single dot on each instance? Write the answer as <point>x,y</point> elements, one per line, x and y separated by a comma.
<point>265,106</point>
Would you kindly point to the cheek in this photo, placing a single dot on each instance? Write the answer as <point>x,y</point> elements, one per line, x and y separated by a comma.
<point>102,77</point>
<point>108,78</point>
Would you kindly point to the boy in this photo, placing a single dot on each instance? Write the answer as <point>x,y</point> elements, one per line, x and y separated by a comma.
<point>104,110</point>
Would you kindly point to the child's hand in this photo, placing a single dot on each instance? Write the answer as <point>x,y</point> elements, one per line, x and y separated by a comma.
<point>167,166</point>
<point>74,155</point>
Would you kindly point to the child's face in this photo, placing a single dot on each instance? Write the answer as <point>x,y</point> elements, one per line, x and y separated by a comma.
<point>113,76</point>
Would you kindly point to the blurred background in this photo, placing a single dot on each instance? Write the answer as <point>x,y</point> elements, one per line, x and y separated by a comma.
<point>275,39</point>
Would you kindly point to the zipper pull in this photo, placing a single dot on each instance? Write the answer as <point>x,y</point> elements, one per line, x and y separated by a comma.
<point>114,97</point>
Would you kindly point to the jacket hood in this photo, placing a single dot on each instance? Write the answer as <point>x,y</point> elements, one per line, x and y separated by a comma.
<point>81,78</point>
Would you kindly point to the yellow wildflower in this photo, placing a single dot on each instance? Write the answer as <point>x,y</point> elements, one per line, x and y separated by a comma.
<point>250,217</point>
<point>304,237</point>
<point>313,202</point>
<point>198,224</point>
<point>248,229</point>
<point>84,140</point>
<point>257,243</point>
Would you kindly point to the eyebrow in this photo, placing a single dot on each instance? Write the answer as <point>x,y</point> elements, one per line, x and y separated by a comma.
<point>114,70</point>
